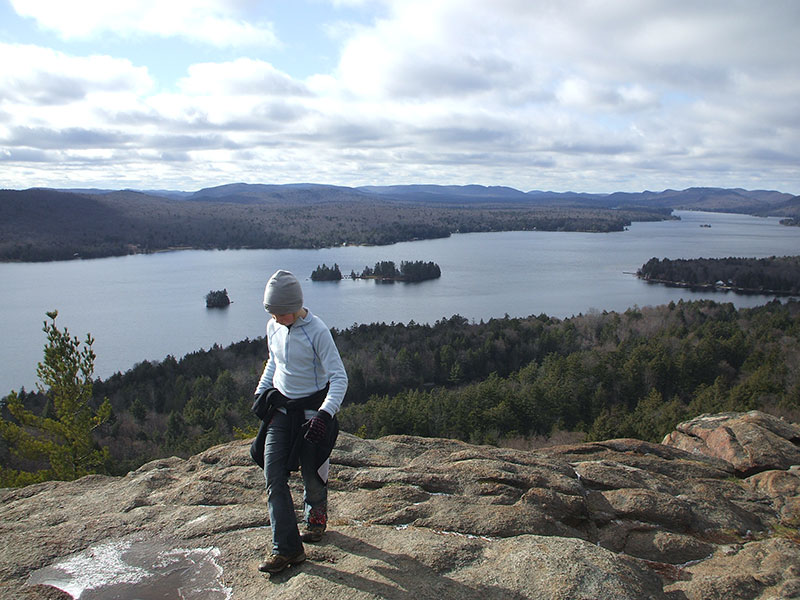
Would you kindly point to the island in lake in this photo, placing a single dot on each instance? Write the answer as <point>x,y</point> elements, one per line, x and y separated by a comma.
<point>773,275</point>
<point>385,270</point>
<point>326,273</point>
<point>217,299</point>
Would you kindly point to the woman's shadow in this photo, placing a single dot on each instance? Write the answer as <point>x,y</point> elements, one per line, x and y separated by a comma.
<point>410,579</point>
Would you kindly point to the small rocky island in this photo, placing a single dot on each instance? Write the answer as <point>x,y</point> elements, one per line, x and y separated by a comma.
<point>217,299</point>
<point>385,270</point>
<point>326,273</point>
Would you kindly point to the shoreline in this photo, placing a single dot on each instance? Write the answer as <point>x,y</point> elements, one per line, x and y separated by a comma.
<point>713,287</point>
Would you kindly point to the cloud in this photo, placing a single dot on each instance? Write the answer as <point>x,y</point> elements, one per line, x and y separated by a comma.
<point>413,57</point>
<point>24,155</point>
<point>597,97</point>
<point>205,21</point>
<point>533,94</point>
<point>243,76</point>
<point>40,76</point>
<point>73,137</point>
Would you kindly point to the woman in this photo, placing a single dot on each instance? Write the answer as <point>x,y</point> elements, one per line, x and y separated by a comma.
<point>303,385</point>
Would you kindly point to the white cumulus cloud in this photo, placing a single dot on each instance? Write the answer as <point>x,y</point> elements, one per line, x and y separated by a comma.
<point>243,76</point>
<point>42,76</point>
<point>213,22</point>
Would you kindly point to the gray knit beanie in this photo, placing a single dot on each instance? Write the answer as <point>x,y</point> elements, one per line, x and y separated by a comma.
<point>283,294</point>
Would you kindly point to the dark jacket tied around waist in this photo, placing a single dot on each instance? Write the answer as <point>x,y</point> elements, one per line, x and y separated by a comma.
<point>265,405</point>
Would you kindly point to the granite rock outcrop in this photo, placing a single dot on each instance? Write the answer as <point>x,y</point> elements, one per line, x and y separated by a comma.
<point>712,512</point>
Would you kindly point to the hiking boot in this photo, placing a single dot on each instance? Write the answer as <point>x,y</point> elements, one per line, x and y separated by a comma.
<point>278,562</point>
<point>312,533</point>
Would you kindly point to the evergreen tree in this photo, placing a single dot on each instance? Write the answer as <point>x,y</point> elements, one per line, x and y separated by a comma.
<point>64,440</point>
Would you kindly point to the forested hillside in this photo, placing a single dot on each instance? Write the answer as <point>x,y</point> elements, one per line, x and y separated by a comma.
<point>634,374</point>
<point>774,275</point>
<point>606,375</point>
<point>40,224</point>
<point>754,202</point>
<point>43,224</point>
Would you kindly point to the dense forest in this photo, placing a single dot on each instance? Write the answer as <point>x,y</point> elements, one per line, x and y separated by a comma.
<point>601,375</point>
<point>40,225</point>
<point>774,275</point>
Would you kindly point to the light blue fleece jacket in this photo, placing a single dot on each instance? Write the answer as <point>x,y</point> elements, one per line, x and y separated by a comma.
<point>302,359</point>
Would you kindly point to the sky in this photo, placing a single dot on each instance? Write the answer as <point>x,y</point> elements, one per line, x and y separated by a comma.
<point>581,95</point>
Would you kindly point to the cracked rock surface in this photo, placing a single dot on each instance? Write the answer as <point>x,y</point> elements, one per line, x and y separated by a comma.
<point>712,512</point>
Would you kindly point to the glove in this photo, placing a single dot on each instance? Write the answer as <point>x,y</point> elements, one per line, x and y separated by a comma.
<point>317,427</point>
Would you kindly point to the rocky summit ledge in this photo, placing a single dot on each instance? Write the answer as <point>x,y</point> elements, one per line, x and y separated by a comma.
<point>713,512</point>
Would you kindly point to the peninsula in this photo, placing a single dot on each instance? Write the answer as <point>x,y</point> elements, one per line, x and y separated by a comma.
<point>773,275</point>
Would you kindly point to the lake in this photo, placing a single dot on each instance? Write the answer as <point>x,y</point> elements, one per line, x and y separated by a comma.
<point>146,307</point>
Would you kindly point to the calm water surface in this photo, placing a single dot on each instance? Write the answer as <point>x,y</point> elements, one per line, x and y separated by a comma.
<point>146,307</point>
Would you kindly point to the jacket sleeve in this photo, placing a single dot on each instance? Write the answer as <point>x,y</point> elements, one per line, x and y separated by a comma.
<point>337,376</point>
<point>269,371</point>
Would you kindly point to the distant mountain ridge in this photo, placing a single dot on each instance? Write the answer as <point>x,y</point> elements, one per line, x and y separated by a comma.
<point>261,192</point>
<point>42,224</point>
<point>757,202</point>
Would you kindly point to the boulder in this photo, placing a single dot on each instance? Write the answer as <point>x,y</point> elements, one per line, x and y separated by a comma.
<point>761,569</point>
<point>750,442</point>
<point>782,488</point>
